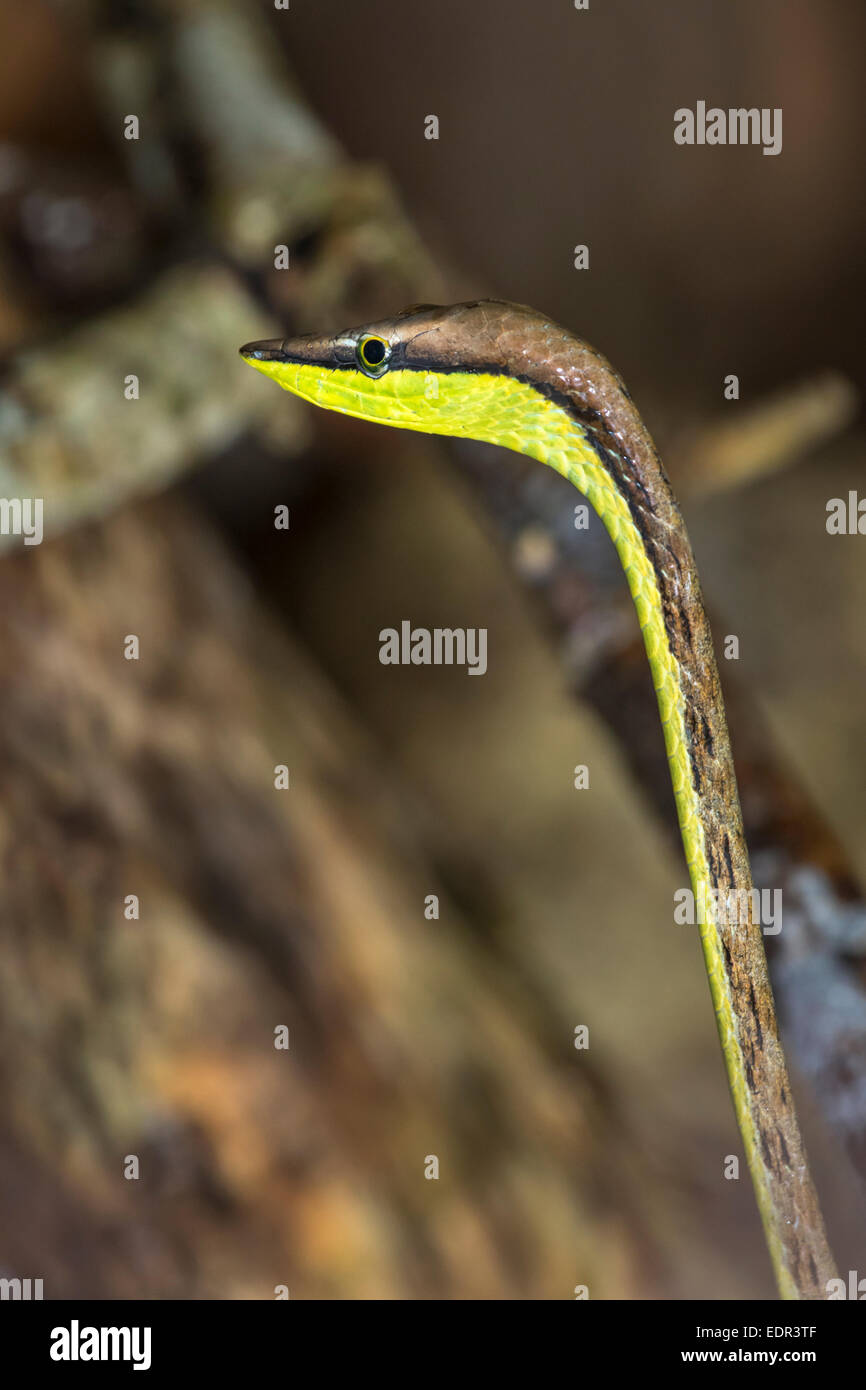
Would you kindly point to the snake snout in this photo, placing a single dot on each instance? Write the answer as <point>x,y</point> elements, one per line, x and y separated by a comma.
<point>268,350</point>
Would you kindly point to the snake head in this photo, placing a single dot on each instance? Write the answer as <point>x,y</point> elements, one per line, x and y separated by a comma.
<point>429,368</point>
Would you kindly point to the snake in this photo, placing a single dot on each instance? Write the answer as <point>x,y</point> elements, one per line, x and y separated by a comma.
<point>505,374</point>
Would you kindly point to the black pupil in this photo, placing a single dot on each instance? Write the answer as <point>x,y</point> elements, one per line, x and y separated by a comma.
<point>373,352</point>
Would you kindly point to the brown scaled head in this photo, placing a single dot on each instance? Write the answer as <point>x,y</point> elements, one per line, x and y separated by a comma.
<point>429,367</point>
<point>482,335</point>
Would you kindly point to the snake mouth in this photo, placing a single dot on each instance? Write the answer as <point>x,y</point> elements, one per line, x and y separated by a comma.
<point>268,350</point>
<point>306,350</point>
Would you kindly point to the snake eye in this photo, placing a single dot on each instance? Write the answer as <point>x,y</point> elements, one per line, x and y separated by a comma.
<point>373,355</point>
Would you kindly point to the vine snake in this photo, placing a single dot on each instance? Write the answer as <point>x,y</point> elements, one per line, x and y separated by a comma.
<point>500,372</point>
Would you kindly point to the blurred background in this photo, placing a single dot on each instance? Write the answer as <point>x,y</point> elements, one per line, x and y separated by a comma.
<point>152,1036</point>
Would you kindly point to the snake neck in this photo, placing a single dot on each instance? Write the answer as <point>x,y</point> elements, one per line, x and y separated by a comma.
<point>600,444</point>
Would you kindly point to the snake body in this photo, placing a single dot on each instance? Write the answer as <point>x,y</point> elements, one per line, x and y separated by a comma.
<point>502,373</point>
